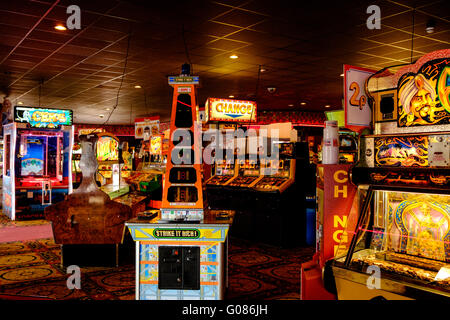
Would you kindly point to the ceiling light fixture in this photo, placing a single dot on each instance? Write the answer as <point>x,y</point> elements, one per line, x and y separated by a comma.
<point>137,87</point>
<point>60,27</point>
<point>290,105</point>
<point>233,56</point>
<point>430,26</point>
<point>302,103</point>
<point>231,96</point>
<point>263,69</point>
<point>327,106</point>
<point>107,109</point>
<point>20,102</point>
<point>101,115</point>
<point>341,74</point>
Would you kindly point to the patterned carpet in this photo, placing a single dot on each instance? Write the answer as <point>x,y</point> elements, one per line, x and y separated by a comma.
<point>255,272</point>
<point>5,221</point>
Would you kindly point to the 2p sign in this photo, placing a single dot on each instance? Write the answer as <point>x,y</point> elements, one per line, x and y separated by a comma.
<point>358,114</point>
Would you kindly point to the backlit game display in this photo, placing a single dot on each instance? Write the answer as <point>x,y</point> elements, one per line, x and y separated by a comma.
<point>32,163</point>
<point>107,149</point>
<point>43,118</point>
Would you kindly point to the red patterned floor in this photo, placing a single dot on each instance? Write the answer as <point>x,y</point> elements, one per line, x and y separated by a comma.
<point>256,271</point>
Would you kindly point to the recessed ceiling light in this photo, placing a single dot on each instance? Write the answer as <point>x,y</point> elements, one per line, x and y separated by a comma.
<point>20,102</point>
<point>290,105</point>
<point>101,115</point>
<point>327,106</point>
<point>60,27</point>
<point>430,26</point>
<point>233,56</point>
<point>302,103</point>
<point>137,87</point>
<point>107,109</point>
<point>341,74</point>
<point>263,69</point>
<point>231,96</point>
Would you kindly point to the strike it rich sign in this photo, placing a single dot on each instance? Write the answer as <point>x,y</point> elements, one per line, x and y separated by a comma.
<point>43,118</point>
<point>176,233</point>
<point>230,110</point>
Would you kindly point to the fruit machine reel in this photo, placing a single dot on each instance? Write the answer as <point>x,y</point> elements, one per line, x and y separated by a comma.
<point>402,228</point>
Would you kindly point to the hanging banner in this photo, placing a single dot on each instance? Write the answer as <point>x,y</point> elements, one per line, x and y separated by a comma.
<point>146,127</point>
<point>358,114</point>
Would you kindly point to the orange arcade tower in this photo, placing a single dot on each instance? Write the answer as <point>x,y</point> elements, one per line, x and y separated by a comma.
<point>182,194</point>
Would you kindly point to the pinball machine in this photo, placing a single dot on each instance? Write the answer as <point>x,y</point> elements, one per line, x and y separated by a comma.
<point>400,236</point>
<point>37,168</point>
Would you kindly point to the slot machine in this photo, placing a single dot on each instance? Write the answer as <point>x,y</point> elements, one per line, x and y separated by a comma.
<point>224,172</point>
<point>37,170</point>
<point>278,175</point>
<point>401,229</point>
<point>248,174</point>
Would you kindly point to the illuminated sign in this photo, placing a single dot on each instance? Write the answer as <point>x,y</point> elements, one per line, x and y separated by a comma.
<point>184,80</point>
<point>107,148</point>
<point>230,110</point>
<point>155,144</point>
<point>424,97</point>
<point>146,127</point>
<point>43,118</point>
<point>176,233</point>
<point>86,131</point>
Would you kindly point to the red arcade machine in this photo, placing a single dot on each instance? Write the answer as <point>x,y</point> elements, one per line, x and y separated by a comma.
<point>37,161</point>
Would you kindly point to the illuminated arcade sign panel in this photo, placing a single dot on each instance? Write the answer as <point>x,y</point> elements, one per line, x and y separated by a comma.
<point>43,118</point>
<point>176,233</point>
<point>230,110</point>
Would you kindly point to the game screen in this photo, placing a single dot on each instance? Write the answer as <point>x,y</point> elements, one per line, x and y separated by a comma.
<point>32,163</point>
<point>107,149</point>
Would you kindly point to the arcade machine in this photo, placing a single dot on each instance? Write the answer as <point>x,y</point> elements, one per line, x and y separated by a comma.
<point>109,173</point>
<point>182,252</point>
<point>127,166</point>
<point>224,172</point>
<point>403,228</point>
<point>249,174</point>
<point>274,218</point>
<point>348,146</point>
<point>37,169</point>
<point>278,175</point>
<point>76,170</point>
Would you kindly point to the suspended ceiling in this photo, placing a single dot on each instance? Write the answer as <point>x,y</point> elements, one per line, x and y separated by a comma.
<point>301,44</point>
